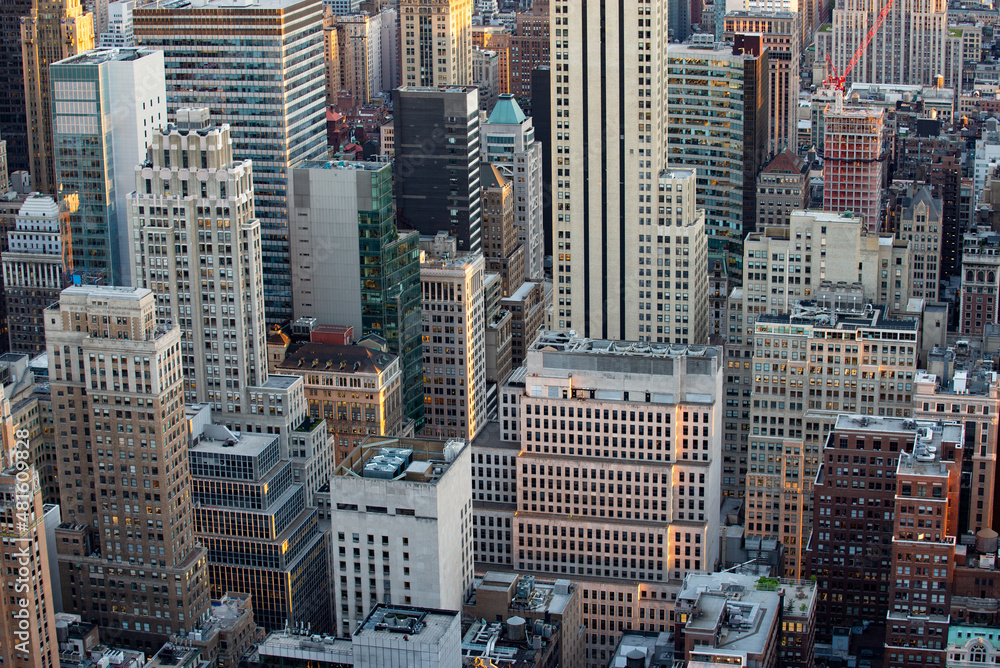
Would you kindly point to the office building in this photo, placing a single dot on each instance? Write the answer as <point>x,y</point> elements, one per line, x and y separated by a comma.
<point>486,77</point>
<point>725,618</point>
<point>504,253</point>
<point>52,31</point>
<point>730,155</point>
<point>852,560</point>
<point>195,241</point>
<point>343,232</point>
<point>102,95</point>
<point>357,56</point>
<point>508,142</point>
<point>454,330</point>
<point>781,34</point>
<point>401,527</point>
<point>107,354</point>
<point>277,125</point>
<point>436,42</point>
<point>120,32</point>
<point>854,161</point>
<point>595,131</point>
<point>922,223</point>
<point>527,308</point>
<point>529,47</point>
<point>980,291</point>
<point>13,116</point>
<point>35,268</point>
<point>496,38</point>
<point>437,162</point>
<point>256,524</point>
<point>782,187</point>
<point>681,249</point>
<point>959,386</point>
<point>28,609</point>
<point>927,485</point>
<point>350,415</point>
<point>828,360</point>
<point>909,48</point>
<point>665,405</point>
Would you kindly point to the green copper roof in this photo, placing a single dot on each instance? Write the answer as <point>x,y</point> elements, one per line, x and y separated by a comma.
<point>507,111</point>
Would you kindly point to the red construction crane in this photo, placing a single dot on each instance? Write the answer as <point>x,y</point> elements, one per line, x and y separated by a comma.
<point>835,80</point>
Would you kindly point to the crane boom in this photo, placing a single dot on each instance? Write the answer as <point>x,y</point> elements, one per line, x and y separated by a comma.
<point>837,80</point>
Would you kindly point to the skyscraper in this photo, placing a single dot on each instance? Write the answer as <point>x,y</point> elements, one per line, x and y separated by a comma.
<point>724,138</point>
<point>508,142</point>
<point>609,130</point>
<point>436,42</point>
<point>126,492</point>
<point>107,103</point>
<point>504,254</point>
<point>343,234</point>
<point>454,324</point>
<point>277,121</point>
<point>909,48</point>
<point>436,168</point>
<point>54,30</point>
<point>13,116</point>
<point>196,243</point>
<point>35,267</point>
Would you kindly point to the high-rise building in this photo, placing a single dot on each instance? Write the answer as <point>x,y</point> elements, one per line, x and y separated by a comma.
<point>729,156</point>
<point>909,48</point>
<point>851,559</point>
<point>527,307</point>
<point>946,392</point>
<point>359,56</point>
<point>107,103</point>
<point>921,223</point>
<point>278,124</point>
<point>681,297</point>
<point>486,77</point>
<point>13,116</point>
<point>655,490</point>
<point>35,268</point>
<point>782,187</point>
<point>256,523</point>
<point>54,30</point>
<point>508,142</point>
<point>830,361</point>
<point>435,42</point>
<point>401,527</point>
<point>343,233</point>
<point>195,241</point>
<point>437,161</point>
<point>609,131</point>
<point>781,34</point>
<point>980,291</point>
<point>529,47</point>
<point>454,325</point>
<point>928,481</point>
<point>107,354</point>
<point>28,610</point>
<point>497,39</point>
<point>120,32</point>
<point>854,161</point>
<point>504,254</point>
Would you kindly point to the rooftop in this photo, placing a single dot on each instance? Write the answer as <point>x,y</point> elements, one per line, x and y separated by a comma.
<point>218,439</point>
<point>868,316</point>
<point>299,644</point>
<point>529,594</point>
<point>569,342</point>
<point>104,55</point>
<point>250,5</point>
<point>419,625</point>
<point>507,111</point>
<point>418,460</point>
<point>934,440</point>
<point>655,648</point>
<point>334,358</point>
<point>175,656</point>
<point>959,636</point>
<point>345,165</point>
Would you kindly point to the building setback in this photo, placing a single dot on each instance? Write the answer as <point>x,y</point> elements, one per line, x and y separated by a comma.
<point>108,356</point>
